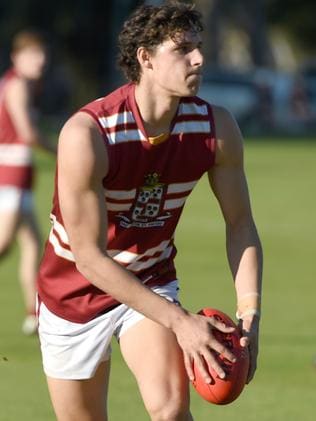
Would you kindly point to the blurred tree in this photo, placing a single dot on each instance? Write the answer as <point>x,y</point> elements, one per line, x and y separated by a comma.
<point>82,35</point>
<point>297,18</point>
<point>244,16</point>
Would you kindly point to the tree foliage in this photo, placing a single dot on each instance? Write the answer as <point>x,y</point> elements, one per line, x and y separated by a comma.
<point>297,17</point>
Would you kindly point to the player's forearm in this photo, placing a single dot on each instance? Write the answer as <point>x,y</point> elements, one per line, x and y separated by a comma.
<point>112,278</point>
<point>245,258</point>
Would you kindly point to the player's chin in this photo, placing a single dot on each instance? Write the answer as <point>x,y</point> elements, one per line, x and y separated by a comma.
<point>34,76</point>
<point>191,90</point>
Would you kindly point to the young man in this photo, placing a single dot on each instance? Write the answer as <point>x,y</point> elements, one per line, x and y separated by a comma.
<point>126,164</point>
<point>18,134</point>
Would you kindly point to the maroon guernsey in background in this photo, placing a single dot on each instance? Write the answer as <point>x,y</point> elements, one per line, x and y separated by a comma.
<point>16,167</point>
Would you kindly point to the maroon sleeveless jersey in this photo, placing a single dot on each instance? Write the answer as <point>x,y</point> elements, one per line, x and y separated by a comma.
<point>15,156</point>
<point>145,191</point>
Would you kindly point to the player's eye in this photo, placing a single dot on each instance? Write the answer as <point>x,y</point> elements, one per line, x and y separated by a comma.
<point>184,49</point>
<point>187,48</point>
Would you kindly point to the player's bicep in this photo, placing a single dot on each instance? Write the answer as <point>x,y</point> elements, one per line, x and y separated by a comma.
<point>227,177</point>
<point>82,165</point>
<point>230,189</point>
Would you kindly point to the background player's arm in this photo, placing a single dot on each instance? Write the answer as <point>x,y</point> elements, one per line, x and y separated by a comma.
<point>82,165</point>
<point>228,182</point>
<point>17,99</point>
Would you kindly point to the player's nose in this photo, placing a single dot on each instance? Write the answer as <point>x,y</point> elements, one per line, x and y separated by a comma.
<point>197,57</point>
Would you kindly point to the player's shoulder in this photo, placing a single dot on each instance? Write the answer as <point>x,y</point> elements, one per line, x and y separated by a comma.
<point>110,103</point>
<point>16,86</point>
<point>225,122</point>
<point>80,127</point>
<point>88,119</point>
<point>81,138</point>
<point>78,121</point>
<point>229,141</point>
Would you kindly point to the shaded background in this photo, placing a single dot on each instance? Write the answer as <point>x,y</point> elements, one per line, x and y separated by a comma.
<point>260,56</point>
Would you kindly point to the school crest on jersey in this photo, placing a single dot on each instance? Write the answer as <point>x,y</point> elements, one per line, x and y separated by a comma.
<point>147,208</point>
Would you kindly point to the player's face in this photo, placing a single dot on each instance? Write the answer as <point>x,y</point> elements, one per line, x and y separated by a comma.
<point>30,62</point>
<point>177,64</point>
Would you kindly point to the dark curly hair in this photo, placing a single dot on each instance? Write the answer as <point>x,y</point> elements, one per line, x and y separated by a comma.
<point>149,26</point>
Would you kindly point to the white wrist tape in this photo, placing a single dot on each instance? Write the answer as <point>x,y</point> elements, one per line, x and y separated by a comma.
<point>249,294</point>
<point>249,312</point>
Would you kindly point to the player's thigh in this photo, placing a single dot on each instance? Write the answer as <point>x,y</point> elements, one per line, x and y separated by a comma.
<point>8,227</point>
<point>28,230</point>
<point>81,400</point>
<point>10,202</point>
<point>152,353</point>
<point>28,234</point>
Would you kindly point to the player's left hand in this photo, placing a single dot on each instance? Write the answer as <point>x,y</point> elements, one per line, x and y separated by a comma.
<point>249,327</point>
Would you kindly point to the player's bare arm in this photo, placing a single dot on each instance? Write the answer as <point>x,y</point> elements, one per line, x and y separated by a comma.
<point>228,182</point>
<point>17,99</point>
<point>83,207</point>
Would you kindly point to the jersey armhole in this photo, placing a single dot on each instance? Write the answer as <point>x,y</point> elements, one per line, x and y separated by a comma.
<point>95,118</point>
<point>213,139</point>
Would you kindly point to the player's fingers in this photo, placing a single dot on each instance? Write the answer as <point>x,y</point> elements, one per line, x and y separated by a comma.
<point>252,370</point>
<point>220,325</point>
<point>247,337</point>
<point>244,341</point>
<point>188,364</point>
<point>212,362</point>
<point>253,354</point>
<point>225,352</point>
<point>202,366</point>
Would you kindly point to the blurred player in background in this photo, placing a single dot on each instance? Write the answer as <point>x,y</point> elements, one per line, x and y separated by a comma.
<point>18,134</point>
<point>126,164</point>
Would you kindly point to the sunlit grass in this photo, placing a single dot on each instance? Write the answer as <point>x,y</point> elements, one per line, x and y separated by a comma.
<point>282,182</point>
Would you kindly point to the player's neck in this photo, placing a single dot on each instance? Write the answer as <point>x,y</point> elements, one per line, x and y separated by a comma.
<point>157,109</point>
<point>24,76</point>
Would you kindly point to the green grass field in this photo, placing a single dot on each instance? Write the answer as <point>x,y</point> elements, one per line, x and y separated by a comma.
<point>282,181</point>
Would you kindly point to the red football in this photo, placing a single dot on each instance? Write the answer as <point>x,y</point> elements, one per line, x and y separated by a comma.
<point>224,391</point>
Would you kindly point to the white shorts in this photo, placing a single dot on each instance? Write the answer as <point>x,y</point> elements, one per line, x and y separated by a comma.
<point>14,199</point>
<point>74,351</point>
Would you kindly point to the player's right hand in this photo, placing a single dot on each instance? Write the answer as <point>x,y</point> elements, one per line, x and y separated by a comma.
<point>195,336</point>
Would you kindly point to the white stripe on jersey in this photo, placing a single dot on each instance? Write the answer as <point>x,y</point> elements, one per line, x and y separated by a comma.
<point>132,260</point>
<point>116,119</point>
<point>123,256</point>
<point>120,194</point>
<point>59,249</point>
<point>181,187</point>
<point>15,154</point>
<point>59,229</point>
<point>192,127</point>
<point>123,136</point>
<point>118,206</point>
<point>192,108</point>
<point>129,257</point>
<point>137,266</point>
<point>174,203</point>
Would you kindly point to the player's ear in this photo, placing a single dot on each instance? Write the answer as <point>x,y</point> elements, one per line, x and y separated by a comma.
<point>144,58</point>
